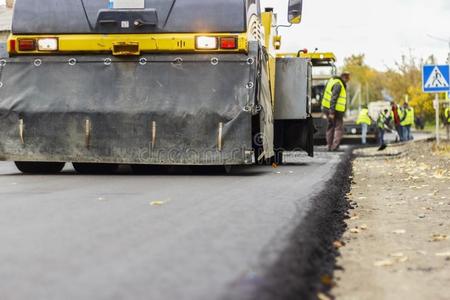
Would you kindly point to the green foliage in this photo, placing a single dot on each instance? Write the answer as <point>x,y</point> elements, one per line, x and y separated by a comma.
<point>402,82</point>
<point>405,81</point>
<point>364,78</point>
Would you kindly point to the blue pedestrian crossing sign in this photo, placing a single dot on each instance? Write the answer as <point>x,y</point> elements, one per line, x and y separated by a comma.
<point>436,79</point>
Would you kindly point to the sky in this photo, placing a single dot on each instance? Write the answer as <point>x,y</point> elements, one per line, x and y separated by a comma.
<point>383,30</point>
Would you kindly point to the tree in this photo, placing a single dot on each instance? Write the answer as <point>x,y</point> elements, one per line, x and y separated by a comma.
<point>402,82</point>
<point>405,82</point>
<point>365,79</point>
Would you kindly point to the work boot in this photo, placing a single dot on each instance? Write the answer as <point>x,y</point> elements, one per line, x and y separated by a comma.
<point>336,149</point>
<point>382,147</point>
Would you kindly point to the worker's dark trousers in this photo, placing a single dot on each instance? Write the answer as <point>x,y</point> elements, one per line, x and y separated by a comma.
<point>407,136</point>
<point>381,137</point>
<point>335,131</point>
<point>399,129</point>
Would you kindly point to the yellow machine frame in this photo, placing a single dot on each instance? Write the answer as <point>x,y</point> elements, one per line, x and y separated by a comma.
<point>319,56</point>
<point>93,43</point>
<point>267,20</point>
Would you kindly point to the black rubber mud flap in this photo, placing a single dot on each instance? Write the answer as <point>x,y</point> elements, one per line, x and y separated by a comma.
<point>153,109</point>
<point>295,135</point>
<point>310,136</point>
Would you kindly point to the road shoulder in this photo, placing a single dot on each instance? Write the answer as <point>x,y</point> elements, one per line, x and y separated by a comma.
<point>397,243</point>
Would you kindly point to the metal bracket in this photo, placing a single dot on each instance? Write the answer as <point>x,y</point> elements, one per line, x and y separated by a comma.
<point>88,133</point>
<point>22,131</point>
<point>153,135</point>
<point>220,137</point>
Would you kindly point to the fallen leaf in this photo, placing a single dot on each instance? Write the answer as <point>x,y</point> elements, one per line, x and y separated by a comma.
<point>402,259</point>
<point>274,165</point>
<point>157,203</point>
<point>355,230</point>
<point>400,202</point>
<point>338,244</point>
<point>399,257</point>
<point>397,254</point>
<point>363,227</point>
<point>326,280</point>
<point>383,263</point>
<point>438,237</point>
<point>322,296</point>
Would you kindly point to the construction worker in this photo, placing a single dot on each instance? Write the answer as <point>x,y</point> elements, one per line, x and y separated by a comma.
<point>447,121</point>
<point>407,121</point>
<point>382,122</point>
<point>365,121</point>
<point>396,117</point>
<point>334,105</point>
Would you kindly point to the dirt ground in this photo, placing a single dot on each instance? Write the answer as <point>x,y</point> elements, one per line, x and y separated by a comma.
<point>397,245</point>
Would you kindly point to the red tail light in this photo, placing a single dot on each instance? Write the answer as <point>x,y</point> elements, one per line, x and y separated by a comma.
<point>27,45</point>
<point>12,46</point>
<point>228,43</point>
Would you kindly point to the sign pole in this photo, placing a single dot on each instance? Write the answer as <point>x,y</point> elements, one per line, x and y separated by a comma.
<point>436,107</point>
<point>436,79</point>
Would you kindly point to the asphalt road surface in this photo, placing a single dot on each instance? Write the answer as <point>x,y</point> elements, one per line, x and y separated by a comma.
<point>176,236</point>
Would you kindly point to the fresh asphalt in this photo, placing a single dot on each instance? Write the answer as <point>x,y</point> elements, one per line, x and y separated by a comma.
<point>176,236</point>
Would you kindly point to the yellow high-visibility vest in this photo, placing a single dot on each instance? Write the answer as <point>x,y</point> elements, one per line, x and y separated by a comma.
<point>447,114</point>
<point>364,117</point>
<point>408,117</point>
<point>381,122</point>
<point>341,105</point>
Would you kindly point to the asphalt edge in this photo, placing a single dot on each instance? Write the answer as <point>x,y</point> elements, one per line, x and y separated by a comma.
<point>306,267</point>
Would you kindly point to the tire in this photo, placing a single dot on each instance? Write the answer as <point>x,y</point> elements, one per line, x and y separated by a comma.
<point>39,167</point>
<point>95,169</point>
<point>149,169</point>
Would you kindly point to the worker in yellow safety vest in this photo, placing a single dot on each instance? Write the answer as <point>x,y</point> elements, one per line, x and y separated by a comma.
<point>407,121</point>
<point>365,121</point>
<point>447,121</point>
<point>334,106</point>
<point>382,124</point>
